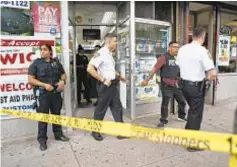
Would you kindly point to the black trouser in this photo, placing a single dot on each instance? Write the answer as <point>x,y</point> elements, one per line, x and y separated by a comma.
<point>167,93</point>
<point>53,102</point>
<point>82,77</point>
<point>108,97</point>
<point>194,95</point>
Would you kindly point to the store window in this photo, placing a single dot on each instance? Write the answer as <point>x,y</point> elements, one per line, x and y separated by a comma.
<point>163,11</point>
<point>227,56</point>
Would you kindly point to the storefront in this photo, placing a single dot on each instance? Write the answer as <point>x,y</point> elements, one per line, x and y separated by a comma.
<point>144,30</point>
<point>219,21</point>
<point>24,27</point>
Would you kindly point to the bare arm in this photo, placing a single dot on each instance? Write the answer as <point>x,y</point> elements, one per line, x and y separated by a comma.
<point>151,74</point>
<point>91,70</point>
<point>63,78</point>
<point>211,74</point>
<point>35,82</point>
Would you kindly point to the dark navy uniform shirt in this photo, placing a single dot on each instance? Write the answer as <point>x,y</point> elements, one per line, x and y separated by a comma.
<point>81,63</point>
<point>47,72</point>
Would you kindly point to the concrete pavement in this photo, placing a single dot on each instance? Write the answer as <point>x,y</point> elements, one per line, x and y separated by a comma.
<point>83,151</point>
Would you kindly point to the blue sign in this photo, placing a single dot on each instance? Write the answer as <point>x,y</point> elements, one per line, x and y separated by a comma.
<point>53,31</point>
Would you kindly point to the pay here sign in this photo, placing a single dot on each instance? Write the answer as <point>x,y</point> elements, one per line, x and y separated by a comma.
<point>16,55</point>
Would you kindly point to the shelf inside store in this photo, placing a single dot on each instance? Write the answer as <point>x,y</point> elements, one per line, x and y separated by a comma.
<point>147,39</point>
<point>148,100</point>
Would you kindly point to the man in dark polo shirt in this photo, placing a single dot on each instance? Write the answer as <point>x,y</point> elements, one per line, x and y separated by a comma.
<point>169,73</point>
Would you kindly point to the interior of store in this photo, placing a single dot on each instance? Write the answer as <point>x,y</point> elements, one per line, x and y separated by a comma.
<point>100,18</point>
<point>198,17</point>
<point>91,23</point>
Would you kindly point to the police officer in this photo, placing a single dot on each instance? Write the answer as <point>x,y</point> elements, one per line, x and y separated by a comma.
<point>48,78</point>
<point>169,73</point>
<point>194,60</point>
<point>82,76</point>
<point>102,68</point>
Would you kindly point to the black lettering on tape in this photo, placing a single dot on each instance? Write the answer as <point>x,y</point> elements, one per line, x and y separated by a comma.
<point>176,140</point>
<point>203,143</point>
<point>76,123</point>
<point>192,143</point>
<point>94,126</point>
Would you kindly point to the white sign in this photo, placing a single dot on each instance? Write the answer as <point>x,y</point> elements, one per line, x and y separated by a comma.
<point>16,4</point>
<point>224,51</point>
<point>233,52</point>
<point>16,54</point>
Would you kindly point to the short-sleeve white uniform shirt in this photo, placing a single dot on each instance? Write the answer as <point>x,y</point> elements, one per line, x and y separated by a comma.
<point>193,60</point>
<point>104,62</point>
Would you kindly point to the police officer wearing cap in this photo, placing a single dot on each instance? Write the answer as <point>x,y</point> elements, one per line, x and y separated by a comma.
<point>48,77</point>
<point>169,73</point>
<point>82,75</point>
<point>102,68</point>
<point>194,61</point>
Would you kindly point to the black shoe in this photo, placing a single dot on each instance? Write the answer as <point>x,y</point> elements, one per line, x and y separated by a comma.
<point>62,138</point>
<point>183,119</point>
<point>43,146</point>
<point>194,149</point>
<point>161,124</point>
<point>97,136</point>
<point>122,137</point>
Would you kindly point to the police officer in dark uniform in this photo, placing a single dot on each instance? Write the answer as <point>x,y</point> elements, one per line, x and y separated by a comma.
<point>169,73</point>
<point>82,75</point>
<point>102,68</point>
<point>47,77</point>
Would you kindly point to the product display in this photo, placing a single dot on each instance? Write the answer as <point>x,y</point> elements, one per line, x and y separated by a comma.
<point>150,91</point>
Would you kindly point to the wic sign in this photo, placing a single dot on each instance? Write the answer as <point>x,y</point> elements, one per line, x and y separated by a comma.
<point>16,54</point>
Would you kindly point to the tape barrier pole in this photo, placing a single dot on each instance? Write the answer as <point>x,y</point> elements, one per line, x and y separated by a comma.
<point>220,142</point>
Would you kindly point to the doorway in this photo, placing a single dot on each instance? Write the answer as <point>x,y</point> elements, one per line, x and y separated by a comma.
<point>91,22</point>
<point>204,16</point>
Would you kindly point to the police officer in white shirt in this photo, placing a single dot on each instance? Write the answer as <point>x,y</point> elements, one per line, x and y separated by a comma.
<point>194,61</point>
<point>102,68</point>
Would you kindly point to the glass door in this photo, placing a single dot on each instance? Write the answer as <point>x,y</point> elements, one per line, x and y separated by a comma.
<point>152,39</point>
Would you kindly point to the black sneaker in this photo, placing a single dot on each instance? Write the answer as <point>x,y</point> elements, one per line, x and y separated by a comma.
<point>161,124</point>
<point>97,136</point>
<point>121,137</point>
<point>43,146</point>
<point>194,149</point>
<point>62,138</point>
<point>182,119</point>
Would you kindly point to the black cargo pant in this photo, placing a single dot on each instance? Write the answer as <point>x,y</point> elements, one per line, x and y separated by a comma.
<point>53,102</point>
<point>108,97</point>
<point>82,78</point>
<point>194,95</point>
<point>167,93</point>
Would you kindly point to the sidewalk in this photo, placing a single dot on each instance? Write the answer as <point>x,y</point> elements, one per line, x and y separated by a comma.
<point>84,151</point>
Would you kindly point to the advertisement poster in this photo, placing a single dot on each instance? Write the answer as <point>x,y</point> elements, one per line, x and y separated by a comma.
<point>16,22</point>
<point>224,51</point>
<point>16,55</point>
<point>46,18</point>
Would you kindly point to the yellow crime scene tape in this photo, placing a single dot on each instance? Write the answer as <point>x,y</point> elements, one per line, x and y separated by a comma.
<point>220,142</point>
